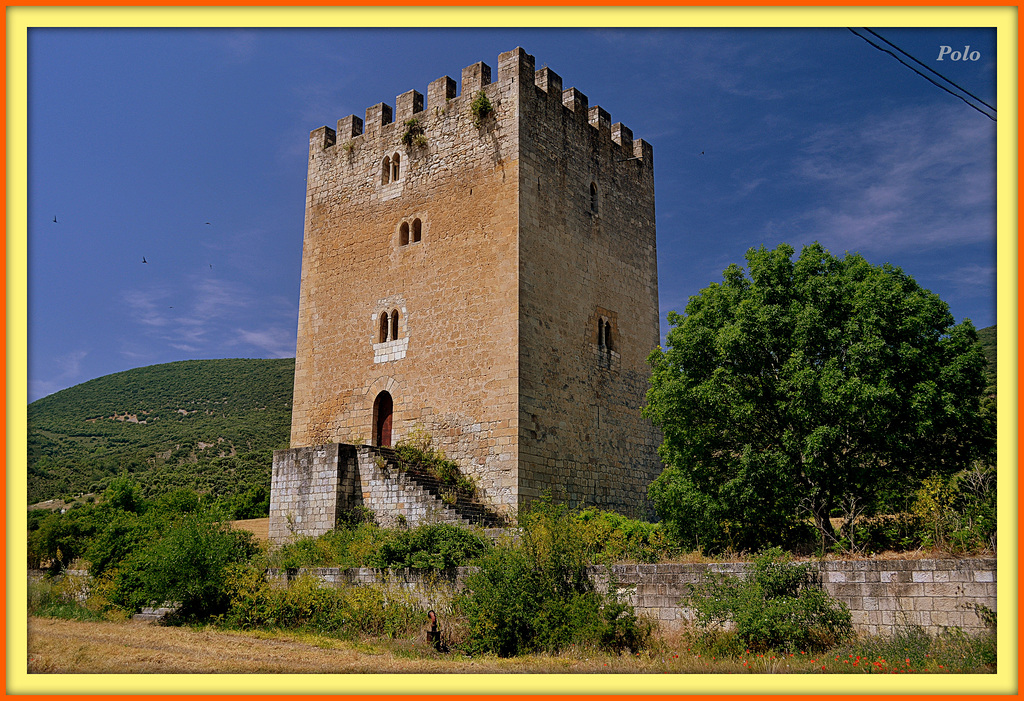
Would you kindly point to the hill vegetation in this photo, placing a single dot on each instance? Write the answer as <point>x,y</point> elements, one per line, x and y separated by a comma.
<point>206,425</point>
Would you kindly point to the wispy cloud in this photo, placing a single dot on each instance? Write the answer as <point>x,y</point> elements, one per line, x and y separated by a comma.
<point>970,280</point>
<point>277,341</point>
<point>66,370</point>
<point>909,178</point>
<point>212,317</point>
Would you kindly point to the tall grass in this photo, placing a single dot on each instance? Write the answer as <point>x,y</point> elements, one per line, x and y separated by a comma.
<point>65,598</point>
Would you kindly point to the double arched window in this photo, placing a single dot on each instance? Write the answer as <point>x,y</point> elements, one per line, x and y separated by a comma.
<point>387,326</point>
<point>604,334</point>
<point>390,169</point>
<point>410,232</point>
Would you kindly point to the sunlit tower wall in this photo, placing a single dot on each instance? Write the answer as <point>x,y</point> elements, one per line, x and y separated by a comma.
<point>489,277</point>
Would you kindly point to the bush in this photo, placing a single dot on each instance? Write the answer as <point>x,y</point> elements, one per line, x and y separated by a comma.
<point>61,598</point>
<point>615,537</point>
<point>776,608</point>
<point>309,604</point>
<point>480,108</point>
<point>534,593</point>
<point>430,546</point>
<point>186,564</point>
<point>417,450</point>
<point>437,546</point>
<point>958,513</point>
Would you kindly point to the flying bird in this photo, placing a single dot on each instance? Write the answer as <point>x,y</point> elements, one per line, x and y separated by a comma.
<point>54,218</point>
<point>144,259</point>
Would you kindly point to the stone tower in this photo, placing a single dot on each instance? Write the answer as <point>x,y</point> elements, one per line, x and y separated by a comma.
<point>488,276</point>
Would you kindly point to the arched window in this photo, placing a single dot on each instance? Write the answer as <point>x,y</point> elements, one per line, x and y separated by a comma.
<point>396,170</point>
<point>383,408</point>
<point>403,234</point>
<point>593,198</point>
<point>417,230</point>
<point>382,328</point>
<point>608,335</point>
<point>385,171</point>
<point>394,324</point>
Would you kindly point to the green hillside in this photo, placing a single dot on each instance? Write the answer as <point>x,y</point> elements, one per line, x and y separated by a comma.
<point>210,425</point>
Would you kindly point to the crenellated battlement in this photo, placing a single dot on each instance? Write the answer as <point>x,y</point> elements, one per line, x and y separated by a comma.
<point>515,68</point>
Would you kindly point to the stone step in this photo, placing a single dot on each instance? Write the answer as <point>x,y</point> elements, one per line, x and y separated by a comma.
<point>466,510</point>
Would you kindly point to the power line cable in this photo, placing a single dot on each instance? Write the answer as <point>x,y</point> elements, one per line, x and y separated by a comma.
<point>941,87</point>
<point>930,69</point>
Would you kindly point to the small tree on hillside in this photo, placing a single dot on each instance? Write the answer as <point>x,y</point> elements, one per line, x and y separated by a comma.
<point>807,387</point>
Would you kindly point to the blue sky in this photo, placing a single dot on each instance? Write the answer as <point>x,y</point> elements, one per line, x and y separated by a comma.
<point>188,147</point>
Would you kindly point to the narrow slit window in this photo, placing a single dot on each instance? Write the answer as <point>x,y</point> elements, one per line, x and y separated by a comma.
<point>608,335</point>
<point>600,334</point>
<point>593,198</point>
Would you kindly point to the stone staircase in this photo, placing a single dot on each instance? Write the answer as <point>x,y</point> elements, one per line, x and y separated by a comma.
<point>465,511</point>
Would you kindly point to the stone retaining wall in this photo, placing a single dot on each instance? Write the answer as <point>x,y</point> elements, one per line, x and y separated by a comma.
<point>882,594</point>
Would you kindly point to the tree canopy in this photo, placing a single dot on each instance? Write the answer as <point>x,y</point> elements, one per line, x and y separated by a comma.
<point>802,388</point>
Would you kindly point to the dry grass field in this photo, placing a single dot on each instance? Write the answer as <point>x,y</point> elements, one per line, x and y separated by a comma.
<point>73,647</point>
<point>257,526</point>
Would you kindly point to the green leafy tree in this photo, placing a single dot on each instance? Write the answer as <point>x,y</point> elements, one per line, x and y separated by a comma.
<point>808,388</point>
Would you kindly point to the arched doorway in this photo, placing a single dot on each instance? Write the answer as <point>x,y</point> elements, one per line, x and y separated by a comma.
<point>383,407</point>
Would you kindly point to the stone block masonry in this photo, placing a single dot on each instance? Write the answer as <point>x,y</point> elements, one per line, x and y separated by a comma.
<point>882,595</point>
<point>491,279</point>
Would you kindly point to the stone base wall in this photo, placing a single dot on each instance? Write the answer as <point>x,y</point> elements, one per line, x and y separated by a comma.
<point>309,487</point>
<point>882,595</point>
<point>312,487</point>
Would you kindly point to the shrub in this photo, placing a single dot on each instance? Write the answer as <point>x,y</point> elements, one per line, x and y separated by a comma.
<point>615,537</point>
<point>437,546</point>
<point>52,598</point>
<point>480,108</point>
<point>309,604</point>
<point>414,135</point>
<point>186,564</point>
<point>429,546</point>
<point>958,513</point>
<point>417,450</point>
<point>534,593</point>
<point>776,608</point>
